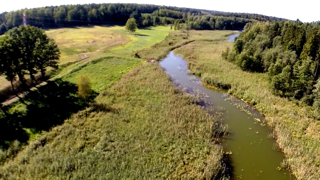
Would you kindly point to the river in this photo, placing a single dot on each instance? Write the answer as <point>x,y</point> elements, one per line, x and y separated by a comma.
<point>251,153</point>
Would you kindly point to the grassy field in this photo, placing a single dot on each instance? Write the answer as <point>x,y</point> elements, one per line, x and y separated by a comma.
<point>103,72</point>
<point>83,44</point>
<point>295,127</point>
<point>138,127</point>
<point>94,42</point>
<point>77,43</point>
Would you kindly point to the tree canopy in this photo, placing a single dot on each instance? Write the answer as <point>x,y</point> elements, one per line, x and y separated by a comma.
<point>131,25</point>
<point>27,50</point>
<point>84,87</point>
<point>288,51</point>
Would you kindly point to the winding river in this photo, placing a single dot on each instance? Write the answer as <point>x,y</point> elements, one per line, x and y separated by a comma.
<point>251,154</point>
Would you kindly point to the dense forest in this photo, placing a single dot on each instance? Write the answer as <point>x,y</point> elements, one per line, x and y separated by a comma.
<point>145,15</point>
<point>288,51</point>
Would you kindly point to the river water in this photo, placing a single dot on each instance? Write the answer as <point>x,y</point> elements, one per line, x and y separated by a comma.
<point>252,154</point>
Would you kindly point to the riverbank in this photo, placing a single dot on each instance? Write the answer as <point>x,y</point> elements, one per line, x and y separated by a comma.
<point>247,137</point>
<point>296,130</point>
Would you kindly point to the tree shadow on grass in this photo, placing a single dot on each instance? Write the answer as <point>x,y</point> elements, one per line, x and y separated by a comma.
<point>138,34</point>
<point>48,106</point>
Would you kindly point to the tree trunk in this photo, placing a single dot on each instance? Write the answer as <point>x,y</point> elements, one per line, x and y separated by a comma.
<point>12,86</point>
<point>31,78</point>
<point>316,72</point>
<point>23,82</point>
<point>43,74</point>
<point>15,93</point>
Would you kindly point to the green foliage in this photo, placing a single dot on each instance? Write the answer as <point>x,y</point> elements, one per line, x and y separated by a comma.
<point>27,50</point>
<point>84,87</point>
<point>288,51</point>
<point>145,15</point>
<point>131,25</point>
<point>8,64</point>
<point>3,28</point>
<point>316,94</point>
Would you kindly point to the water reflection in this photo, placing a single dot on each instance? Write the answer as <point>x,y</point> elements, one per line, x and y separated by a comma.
<point>251,152</point>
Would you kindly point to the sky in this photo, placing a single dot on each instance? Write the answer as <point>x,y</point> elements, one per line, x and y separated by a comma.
<point>305,11</point>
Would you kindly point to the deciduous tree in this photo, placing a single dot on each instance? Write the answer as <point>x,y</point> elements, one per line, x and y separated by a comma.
<point>131,25</point>
<point>84,87</point>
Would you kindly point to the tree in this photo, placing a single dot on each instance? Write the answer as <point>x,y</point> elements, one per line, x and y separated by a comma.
<point>131,25</point>
<point>137,16</point>
<point>7,67</point>
<point>316,94</point>
<point>30,51</point>
<point>3,29</point>
<point>84,87</point>
<point>46,53</point>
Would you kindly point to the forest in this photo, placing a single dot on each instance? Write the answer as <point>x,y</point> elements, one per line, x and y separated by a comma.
<point>288,52</point>
<point>145,15</point>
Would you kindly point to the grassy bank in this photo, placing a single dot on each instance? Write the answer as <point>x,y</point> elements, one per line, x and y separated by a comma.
<point>140,128</point>
<point>295,128</point>
<point>178,39</point>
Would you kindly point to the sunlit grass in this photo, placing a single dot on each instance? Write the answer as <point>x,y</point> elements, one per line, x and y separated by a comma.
<point>76,44</point>
<point>140,128</point>
<point>103,72</point>
<point>142,38</point>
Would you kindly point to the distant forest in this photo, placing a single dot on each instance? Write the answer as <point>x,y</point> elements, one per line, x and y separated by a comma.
<point>145,15</point>
<point>288,51</point>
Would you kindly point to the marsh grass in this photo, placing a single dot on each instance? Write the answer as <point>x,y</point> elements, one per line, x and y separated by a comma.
<point>139,128</point>
<point>296,127</point>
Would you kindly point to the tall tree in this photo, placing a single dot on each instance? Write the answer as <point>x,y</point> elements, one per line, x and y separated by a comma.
<point>131,25</point>
<point>3,29</point>
<point>32,50</point>
<point>7,65</point>
<point>46,53</point>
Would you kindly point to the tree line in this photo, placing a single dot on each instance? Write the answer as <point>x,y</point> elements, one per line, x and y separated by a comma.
<point>145,15</point>
<point>256,17</point>
<point>26,51</point>
<point>289,52</point>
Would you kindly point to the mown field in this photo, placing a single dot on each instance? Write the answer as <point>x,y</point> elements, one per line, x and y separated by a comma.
<point>296,128</point>
<point>137,125</point>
